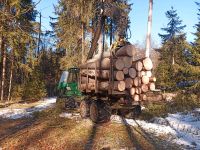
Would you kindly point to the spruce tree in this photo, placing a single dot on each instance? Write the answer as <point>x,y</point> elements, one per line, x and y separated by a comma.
<point>174,27</point>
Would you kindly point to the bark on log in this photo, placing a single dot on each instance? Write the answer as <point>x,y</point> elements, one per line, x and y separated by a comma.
<point>132,72</point>
<point>137,82</point>
<point>128,50</point>
<point>118,64</point>
<point>127,62</point>
<point>126,71</point>
<point>103,86</point>
<point>104,74</point>
<point>139,66</point>
<point>152,86</point>
<point>129,83</point>
<point>148,65</point>
<point>103,63</point>
<point>132,91</point>
<point>145,79</point>
<point>144,88</point>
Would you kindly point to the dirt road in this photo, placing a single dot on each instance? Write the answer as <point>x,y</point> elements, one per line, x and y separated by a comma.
<point>49,131</point>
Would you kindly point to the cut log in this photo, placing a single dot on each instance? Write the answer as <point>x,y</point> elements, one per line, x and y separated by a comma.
<point>132,91</point>
<point>143,97</point>
<point>137,82</point>
<point>152,86</point>
<point>126,71</point>
<point>139,74</point>
<point>104,74</point>
<point>145,79</point>
<point>119,75</point>
<point>103,86</point>
<point>138,90</point>
<point>118,64</point>
<point>132,72</point>
<point>152,79</point>
<point>148,65</point>
<point>143,73</point>
<point>148,74</point>
<point>144,88</point>
<point>128,50</point>
<point>127,62</point>
<point>119,86</point>
<point>139,66</point>
<point>103,63</point>
<point>129,83</point>
<point>136,97</point>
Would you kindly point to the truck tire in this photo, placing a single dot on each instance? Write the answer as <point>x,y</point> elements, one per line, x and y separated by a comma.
<point>100,112</point>
<point>137,111</point>
<point>84,109</point>
<point>94,112</point>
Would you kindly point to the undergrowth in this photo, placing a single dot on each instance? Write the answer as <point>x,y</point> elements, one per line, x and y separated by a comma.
<point>182,102</point>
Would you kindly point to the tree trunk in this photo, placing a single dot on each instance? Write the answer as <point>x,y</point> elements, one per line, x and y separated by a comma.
<point>3,52</point>
<point>148,38</point>
<point>83,43</point>
<point>11,75</point>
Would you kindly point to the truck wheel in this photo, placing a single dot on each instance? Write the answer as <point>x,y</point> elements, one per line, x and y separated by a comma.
<point>70,103</point>
<point>94,112</point>
<point>105,112</point>
<point>85,109</point>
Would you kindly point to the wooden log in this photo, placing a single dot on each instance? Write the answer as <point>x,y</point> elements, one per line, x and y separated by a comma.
<point>103,86</point>
<point>128,50</point>
<point>132,91</point>
<point>145,79</point>
<point>152,86</point>
<point>126,71</point>
<point>138,65</point>
<point>127,62</point>
<point>136,97</point>
<point>152,79</point>
<point>119,75</point>
<point>103,63</point>
<point>129,83</point>
<point>143,73</point>
<point>84,80</point>
<point>118,64</point>
<point>137,81</point>
<point>143,97</point>
<point>132,72</point>
<point>119,86</point>
<point>144,88</point>
<point>139,74</point>
<point>148,74</point>
<point>148,65</point>
<point>104,74</point>
<point>138,90</point>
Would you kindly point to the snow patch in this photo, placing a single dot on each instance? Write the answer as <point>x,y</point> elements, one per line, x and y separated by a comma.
<point>180,128</point>
<point>16,113</point>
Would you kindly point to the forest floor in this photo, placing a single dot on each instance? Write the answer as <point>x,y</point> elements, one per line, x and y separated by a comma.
<point>55,129</point>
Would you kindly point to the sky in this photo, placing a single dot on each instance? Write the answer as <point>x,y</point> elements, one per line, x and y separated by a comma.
<point>186,9</point>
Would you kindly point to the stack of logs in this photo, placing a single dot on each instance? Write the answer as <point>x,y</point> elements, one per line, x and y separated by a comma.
<point>131,74</point>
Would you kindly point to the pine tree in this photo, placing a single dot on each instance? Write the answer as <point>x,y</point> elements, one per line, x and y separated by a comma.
<point>174,27</point>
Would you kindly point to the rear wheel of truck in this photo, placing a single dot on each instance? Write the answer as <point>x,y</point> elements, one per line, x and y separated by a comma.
<point>85,109</point>
<point>94,112</point>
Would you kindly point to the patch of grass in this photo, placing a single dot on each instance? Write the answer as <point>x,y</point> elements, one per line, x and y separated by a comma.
<point>182,102</point>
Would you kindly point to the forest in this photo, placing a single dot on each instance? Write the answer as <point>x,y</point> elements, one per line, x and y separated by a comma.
<point>33,60</point>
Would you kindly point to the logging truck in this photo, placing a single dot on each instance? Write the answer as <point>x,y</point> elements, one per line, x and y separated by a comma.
<point>115,83</point>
